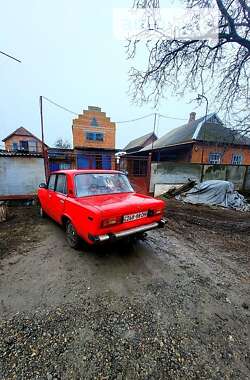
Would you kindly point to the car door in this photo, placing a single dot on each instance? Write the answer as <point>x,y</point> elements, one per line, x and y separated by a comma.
<point>59,196</point>
<point>47,205</point>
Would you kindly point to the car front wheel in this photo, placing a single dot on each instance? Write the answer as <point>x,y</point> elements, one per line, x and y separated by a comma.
<point>71,236</point>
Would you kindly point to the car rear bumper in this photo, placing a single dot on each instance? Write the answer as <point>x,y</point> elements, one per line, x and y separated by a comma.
<point>125,233</point>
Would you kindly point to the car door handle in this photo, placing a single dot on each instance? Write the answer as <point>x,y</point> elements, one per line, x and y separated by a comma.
<point>61,200</point>
<point>50,195</point>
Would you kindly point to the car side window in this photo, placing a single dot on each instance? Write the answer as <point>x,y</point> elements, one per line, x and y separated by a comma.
<point>52,180</point>
<point>61,184</point>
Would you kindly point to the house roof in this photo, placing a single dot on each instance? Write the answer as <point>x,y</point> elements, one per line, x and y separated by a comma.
<point>139,141</point>
<point>6,153</point>
<point>207,128</point>
<point>21,131</point>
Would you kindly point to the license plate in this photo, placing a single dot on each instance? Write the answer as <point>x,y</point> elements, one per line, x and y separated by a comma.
<point>137,215</point>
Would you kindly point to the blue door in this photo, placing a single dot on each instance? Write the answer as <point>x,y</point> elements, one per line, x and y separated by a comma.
<point>106,161</point>
<point>83,162</point>
<point>53,166</point>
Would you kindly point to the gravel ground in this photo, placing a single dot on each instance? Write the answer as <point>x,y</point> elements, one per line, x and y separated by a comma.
<point>175,306</point>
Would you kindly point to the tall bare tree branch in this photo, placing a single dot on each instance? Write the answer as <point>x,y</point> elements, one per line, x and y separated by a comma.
<point>220,69</point>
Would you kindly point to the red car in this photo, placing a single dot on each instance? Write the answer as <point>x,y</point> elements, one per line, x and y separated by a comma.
<point>98,205</point>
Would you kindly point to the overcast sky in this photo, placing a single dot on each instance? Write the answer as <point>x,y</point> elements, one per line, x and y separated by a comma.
<point>69,54</point>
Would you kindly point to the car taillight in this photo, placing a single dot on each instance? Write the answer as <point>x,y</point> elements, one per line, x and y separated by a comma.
<point>111,222</point>
<point>157,212</point>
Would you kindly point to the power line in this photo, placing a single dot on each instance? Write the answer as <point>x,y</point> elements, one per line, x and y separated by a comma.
<point>75,113</point>
<point>118,122</point>
<point>171,117</point>
<point>59,106</point>
<point>132,120</point>
<point>10,56</point>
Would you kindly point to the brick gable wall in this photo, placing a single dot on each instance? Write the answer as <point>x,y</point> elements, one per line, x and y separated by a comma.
<point>82,125</point>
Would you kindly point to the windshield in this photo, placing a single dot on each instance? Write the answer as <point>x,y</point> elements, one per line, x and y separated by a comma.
<point>101,183</point>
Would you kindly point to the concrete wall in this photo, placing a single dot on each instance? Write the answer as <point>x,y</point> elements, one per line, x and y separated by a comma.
<point>20,175</point>
<point>173,173</point>
<point>169,173</point>
<point>247,179</point>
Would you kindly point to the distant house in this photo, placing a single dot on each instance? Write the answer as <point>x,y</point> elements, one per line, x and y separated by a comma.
<point>205,140</point>
<point>61,159</point>
<point>94,139</point>
<point>22,140</point>
<point>140,142</point>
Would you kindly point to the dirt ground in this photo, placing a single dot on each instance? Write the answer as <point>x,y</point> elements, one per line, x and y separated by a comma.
<point>175,306</point>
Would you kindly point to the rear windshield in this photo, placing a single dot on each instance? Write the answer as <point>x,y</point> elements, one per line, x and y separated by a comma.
<point>101,183</point>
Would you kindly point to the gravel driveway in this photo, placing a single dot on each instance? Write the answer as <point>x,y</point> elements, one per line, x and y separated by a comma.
<point>175,306</point>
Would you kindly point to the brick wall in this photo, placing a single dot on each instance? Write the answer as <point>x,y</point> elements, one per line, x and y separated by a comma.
<point>227,153</point>
<point>17,138</point>
<point>102,124</point>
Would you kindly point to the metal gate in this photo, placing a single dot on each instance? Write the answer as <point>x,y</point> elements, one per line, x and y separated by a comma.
<point>138,169</point>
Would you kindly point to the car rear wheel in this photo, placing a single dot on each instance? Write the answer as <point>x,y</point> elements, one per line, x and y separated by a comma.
<point>71,236</point>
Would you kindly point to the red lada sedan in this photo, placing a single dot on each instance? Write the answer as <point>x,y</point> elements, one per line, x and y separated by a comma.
<point>98,205</point>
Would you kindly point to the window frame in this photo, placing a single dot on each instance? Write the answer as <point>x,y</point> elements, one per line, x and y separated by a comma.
<point>32,145</point>
<point>94,136</point>
<point>212,161</point>
<point>101,134</point>
<point>61,164</point>
<point>24,145</point>
<point>234,155</point>
<point>16,145</point>
<point>96,195</point>
<point>49,182</point>
<point>66,184</point>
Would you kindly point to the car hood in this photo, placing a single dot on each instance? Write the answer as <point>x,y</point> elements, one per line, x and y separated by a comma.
<point>125,202</point>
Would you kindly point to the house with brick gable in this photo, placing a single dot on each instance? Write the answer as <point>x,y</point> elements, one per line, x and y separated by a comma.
<point>203,141</point>
<point>94,139</point>
<point>22,140</point>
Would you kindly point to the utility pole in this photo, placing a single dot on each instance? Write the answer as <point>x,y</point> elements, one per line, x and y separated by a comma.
<point>155,116</point>
<point>44,150</point>
<point>199,98</point>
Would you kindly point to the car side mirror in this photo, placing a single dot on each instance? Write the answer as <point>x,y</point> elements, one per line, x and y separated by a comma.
<point>43,185</point>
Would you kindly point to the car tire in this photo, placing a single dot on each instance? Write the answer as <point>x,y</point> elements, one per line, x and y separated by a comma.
<point>72,238</point>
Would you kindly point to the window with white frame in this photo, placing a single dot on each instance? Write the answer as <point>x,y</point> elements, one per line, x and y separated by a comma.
<point>214,158</point>
<point>237,159</point>
<point>14,146</point>
<point>64,165</point>
<point>32,146</point>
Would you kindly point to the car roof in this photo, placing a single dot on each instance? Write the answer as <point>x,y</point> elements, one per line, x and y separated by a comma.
<point>85,171</point>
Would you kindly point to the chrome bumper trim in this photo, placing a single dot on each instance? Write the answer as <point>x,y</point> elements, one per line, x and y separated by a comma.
<point>131,231</point>
<point>135,230</point>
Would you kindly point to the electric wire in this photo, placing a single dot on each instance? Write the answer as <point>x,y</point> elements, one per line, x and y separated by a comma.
<point>118,122</point>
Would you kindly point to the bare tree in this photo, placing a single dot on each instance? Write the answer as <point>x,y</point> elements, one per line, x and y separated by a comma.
<point>64,144</point>
<point>220,69</point>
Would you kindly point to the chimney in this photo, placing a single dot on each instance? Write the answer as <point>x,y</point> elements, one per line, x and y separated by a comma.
<point>191,117</point>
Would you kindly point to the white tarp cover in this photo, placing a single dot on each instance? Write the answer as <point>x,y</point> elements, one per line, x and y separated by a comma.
<point>215,193</point>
